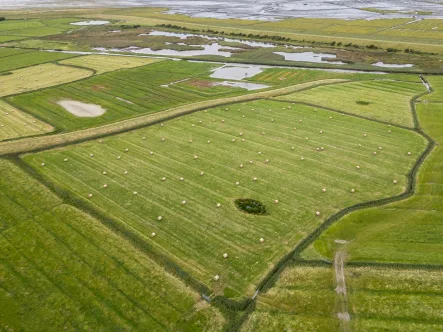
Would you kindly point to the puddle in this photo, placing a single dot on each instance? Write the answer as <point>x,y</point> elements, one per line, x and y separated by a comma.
<point>236,73</point>
<point>392,65</point>
<point>243,85</point>
<point>310,57</point>
<point>82,110</point>
<point>90,23</point>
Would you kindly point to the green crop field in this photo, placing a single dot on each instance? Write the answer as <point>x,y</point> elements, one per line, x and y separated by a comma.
<point>124,94</point>
<point>103,63</point>
<point>61,269</point>
<point>384,299</point>
<point>303,299</point>
<point>39,77</point>
<point>324,144</point>
<point>13,60</point>
<point>14,123</point>
<point>381,100</point>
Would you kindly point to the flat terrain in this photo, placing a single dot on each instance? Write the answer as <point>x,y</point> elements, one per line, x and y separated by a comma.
<point>39,77</point>
<point>61,269</point>
<point>14,123</point>
<point>103,63</point>
<point>380,100</point>
<point>288,178</point>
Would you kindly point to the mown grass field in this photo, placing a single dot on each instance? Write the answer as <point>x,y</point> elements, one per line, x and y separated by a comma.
<point>380,100</point>
<point>61,269</point>
<point>182,234</point>
<point>303,299</point>
<point>39,77</point>
<point>409,231</point>
<point>103,63</point>
<point>437,95</point>
<point>124,94</point>
<point>14,123</point>
<point>14,58</point>
<point>386,299</point>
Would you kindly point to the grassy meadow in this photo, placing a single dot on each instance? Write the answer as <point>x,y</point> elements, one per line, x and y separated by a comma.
<point>61,269</point>
<point>14,123</point>
<point>303,299</point>
<point>386,299</point>
<point>379,100</point>
<point>39,77</point>
<point>298,141</point>
<point>104,63</point>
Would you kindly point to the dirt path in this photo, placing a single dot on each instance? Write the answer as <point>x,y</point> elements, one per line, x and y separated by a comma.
<point>342,299</point>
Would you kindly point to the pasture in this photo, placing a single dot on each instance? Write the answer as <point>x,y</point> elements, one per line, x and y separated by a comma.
<point>124,94</point>
<point>104,63</point>
<point>392,299</point>
<point>13,58</point>
<point>436,96</point>
<point>39,77</point>
<point>14,123</point>
<point>409,231</point>
<point>303,299</point>
<point>379,100</point>
<point>61,269</point>
<point>302,163</point>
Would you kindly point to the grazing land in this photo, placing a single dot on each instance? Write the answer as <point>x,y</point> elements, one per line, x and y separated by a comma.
<point>103,63</point>
<point>437,95</point>
<point>14,58</point>
<point>393,299</point>
<point>379,100</point>
<point>14,123</point>
<point>39,77</point>
<point>324,144</point>
<point>64,269</point>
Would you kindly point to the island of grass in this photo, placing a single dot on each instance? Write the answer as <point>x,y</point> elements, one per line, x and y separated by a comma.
<point>251,206</point>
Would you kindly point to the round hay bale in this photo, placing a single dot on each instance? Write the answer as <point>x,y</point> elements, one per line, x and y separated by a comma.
<point>254,179</point>
<point>225,255</point>
<point>374,153</point>
<point>202,173</point>
<point>250,161</point>
<point>119,157</point>
<point>193,125</point>
<point>65,160</point>
<point>389,131</point>
<point>365,135</point>
<point>261,240</point>
<point>135,193</point>
<point>358,167</point>
<point>259,152</point>
<point>395,181</point>
<point>125,172</point>
<point>153,234</point>
<point>190,141</point>
<point>272,120</point>
<point>161,125</point>
<point>233,140</point>
<point>104,173</point>
<point>322,148</point>
<point>317,213</point>
<point>218,205</point>
<point>43,164</point>
<point>143,138</point>
<point>409,154</point>
<point>243,116</point>
<point>243,140</point>
<point>126,150</point>
<point>223,121</point>
<point>216,277</point>
<point>380,148</point>
<point>105,186</point>
<point>237,183</point>
<point>183,202</point>
<point>163,139</point>
<point>163,178</point>
<point>321,131</point>
<point>182,179</point>
<point>292,147</point>
<point>90,195</point>
<point>323,190</point>
<point>275,201</point>
<point>266,161</point>
<point>300,120</point>
<point>352,190</point>
<point>151,153</point>
<point>241,165</point>
<point>91,155</point>
<point>195,157</point>
<point>241,134</point>
<point>159,218</point>
<point>330,117</point>
<point>209,141</point>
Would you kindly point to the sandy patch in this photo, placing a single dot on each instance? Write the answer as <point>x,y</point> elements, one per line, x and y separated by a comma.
<point>80,109</point>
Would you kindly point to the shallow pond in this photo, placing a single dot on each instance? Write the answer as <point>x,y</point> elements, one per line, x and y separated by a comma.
<point>243,85</point>
<point>392,65</point>
<point>233,72</point>
<point>80,109</point>
<point>90,23</point>
<point>310,57</point>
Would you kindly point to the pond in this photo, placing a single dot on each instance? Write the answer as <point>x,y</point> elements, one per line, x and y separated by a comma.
<point>90,23</point>
<point>392,65</point>
<point>233,72</point>
<point>243,85</point>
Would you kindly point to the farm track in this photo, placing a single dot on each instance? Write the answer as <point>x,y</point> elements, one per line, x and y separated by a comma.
<point>47,142</point>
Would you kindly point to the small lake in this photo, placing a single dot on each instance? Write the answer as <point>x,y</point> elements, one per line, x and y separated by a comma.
<point>392,65</point>
<point>237,73</point>
<point>90,23</point>
<point>310,57</point>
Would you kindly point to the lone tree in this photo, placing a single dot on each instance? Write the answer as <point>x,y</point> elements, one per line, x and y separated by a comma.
<point>2,19</point>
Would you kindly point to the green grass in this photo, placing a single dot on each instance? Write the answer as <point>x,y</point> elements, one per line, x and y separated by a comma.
<point>409,231</point>
<point>15,60</point>
<point>39,77</point>
<point>303,299</point>
<point>14,123</point>
<point>103,63</point>
<point>389,101</point>
<point>436,83</point>
<point>383,299</point>
<point>63,270</point>
<point>140,86</point>
<point>297,184</point>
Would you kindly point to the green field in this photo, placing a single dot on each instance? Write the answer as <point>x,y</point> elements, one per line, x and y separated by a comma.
<point>13,58</point>
<point>386,299</point>
<point>39,77</point>
<point>61,269</point>
<point>14,123</point>
<point>379,100</point>
<point>303,299</point>
<point>287,178</point>
<point>124,94</point>
<point>437,95</point>
<point>103,63</point>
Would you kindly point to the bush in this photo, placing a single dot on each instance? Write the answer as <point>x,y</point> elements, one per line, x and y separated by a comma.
<point>362,102</point>
<point>2,19</point>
